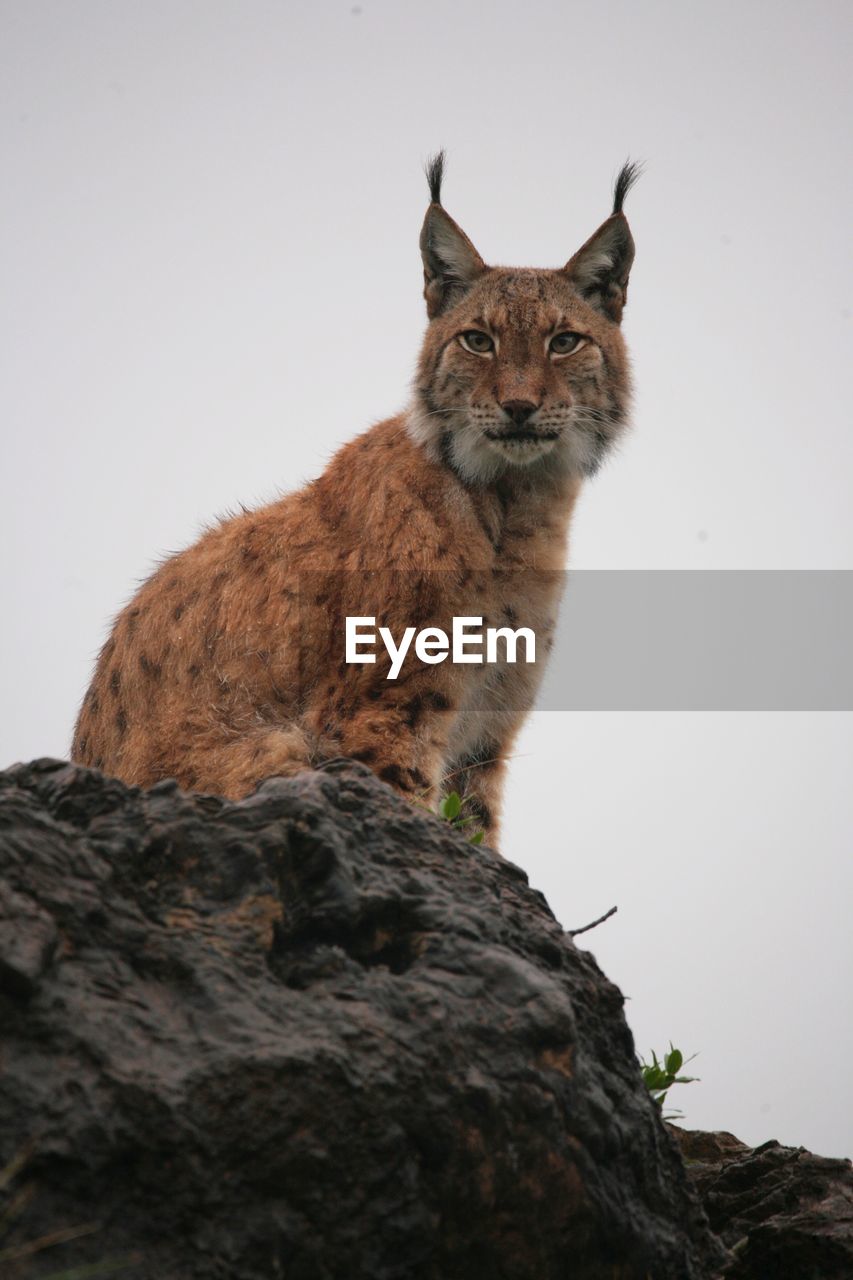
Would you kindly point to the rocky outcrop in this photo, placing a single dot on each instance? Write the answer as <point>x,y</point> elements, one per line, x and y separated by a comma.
<point>311,1035</point>
<point>785,1213</point>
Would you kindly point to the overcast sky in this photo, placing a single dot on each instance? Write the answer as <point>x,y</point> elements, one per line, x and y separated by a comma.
<point>211,279</point>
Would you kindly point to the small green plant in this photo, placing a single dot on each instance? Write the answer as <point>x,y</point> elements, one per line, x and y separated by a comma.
<point>451,810</point>
<point>659,1077</point>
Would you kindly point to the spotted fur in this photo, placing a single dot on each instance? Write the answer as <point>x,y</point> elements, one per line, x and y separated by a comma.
<point>227,666</point>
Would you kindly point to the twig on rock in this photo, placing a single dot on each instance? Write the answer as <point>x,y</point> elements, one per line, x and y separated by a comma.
<point>573,933</point>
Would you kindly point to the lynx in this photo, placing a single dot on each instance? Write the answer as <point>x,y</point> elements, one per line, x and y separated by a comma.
<point>227,667</point>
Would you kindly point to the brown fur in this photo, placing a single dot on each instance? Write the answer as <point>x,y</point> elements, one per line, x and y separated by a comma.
<point>228,666</point>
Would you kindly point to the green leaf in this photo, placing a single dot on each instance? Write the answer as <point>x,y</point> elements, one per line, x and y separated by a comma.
<point>477,837</point>
<point>674,1061</point>
<point>655,1077</point>
<point>451,805</point>
<point>659,1077</point>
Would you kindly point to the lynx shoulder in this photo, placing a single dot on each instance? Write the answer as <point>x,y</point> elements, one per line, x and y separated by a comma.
<point>229,664</point>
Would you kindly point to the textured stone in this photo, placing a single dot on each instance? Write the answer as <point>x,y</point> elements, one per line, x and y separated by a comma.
<point>786,1213</point>
<point>311,1035</point>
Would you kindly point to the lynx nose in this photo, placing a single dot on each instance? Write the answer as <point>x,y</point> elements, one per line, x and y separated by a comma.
<point>519,410</point>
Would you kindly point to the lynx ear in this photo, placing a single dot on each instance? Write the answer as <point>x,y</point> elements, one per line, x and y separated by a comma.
<point>600,269</point>
<point>451,263</point>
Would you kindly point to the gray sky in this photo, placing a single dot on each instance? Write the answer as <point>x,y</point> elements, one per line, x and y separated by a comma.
<point>211,279</point>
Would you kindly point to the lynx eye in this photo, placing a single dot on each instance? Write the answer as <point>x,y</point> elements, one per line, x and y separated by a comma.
<point>563,344</point>
<point>474,340</point>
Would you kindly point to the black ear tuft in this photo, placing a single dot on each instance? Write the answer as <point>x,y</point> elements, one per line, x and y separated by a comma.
<point>434,170</point>
<point>451,263</point>
<point>628,175</point>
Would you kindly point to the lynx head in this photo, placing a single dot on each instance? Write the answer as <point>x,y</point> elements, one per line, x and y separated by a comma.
<point>522,368</point>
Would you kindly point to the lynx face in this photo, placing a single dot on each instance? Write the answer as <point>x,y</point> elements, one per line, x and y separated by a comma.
<point>522,368</point>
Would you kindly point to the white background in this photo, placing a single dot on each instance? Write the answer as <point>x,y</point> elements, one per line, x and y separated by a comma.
<point>211,279</point>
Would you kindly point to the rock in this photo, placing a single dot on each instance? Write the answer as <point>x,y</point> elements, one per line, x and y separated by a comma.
<point>786,1214</point>
<point>315,1034</point>
<point>27,940</point>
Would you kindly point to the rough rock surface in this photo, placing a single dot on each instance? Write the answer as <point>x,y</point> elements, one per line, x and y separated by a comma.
<point>311,1035</point>
<point>786,1214</point>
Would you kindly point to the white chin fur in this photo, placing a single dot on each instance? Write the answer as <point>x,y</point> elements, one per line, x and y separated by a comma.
<point>480,460</point>
<point>520,453</point>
